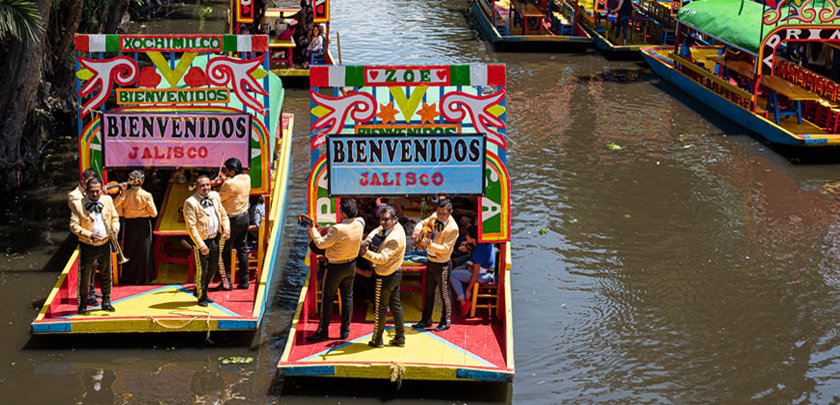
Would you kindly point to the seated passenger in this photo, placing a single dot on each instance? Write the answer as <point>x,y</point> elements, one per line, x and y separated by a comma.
<point>479,269</point>
<point>316,44</point>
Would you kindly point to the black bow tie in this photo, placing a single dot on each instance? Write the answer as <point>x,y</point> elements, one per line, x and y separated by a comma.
<point>206,202</point>
<point>94,206</point>
<point>438,225</point>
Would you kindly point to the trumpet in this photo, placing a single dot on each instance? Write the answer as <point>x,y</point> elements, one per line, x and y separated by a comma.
<point>115,243</point>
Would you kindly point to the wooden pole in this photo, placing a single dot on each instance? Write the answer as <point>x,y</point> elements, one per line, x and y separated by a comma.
<point>338,44</point>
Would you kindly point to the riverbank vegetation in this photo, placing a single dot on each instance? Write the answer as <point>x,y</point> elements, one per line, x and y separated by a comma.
<point>37,73</point>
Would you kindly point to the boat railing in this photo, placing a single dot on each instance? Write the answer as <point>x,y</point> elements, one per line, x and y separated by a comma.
<point>818,84</point>
<point>707,79</point>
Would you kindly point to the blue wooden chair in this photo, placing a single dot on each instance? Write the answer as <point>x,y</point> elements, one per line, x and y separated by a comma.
<point>319,57</point>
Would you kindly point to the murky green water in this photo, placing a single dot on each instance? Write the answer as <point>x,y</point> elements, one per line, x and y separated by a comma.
<point>693,265</point>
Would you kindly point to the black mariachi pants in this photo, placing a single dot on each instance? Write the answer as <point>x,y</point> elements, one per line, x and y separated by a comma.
<point>239,240</point>
<point>437,274</point>
<point>388,295</point>
<point>206,266</point>
<point>337,277</point>
<point>93,258</point>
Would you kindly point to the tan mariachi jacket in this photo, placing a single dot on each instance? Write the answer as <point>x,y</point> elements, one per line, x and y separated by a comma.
<point>138,203</point>
<point>75,195</point>
<point>389,257</point>
<point>440,250</point>
<point>234,194</point>
<point>198,222</point>
<point>342,242</point>
<point>81,220</point>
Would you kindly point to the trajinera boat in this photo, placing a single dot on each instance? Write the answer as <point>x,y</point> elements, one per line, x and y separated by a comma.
<point>649,22</point>
<point>510,24</point>
<point>746,60</point>
<point>177,106</point>
<point>289,31</point>
<point>433,113</point>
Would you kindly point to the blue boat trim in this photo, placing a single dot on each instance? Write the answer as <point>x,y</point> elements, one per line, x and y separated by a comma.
<point>236,324</point>
<point>52,327</point>
<point>307,371</point>
<point>483,375</point>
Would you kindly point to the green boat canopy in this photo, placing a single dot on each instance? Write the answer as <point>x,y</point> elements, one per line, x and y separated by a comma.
<point>736,22</point>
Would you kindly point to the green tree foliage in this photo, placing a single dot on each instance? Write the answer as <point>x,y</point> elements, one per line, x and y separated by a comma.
<point>19,19</point>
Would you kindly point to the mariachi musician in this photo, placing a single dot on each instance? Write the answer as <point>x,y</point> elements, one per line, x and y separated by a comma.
<point>138,209</point>
<point>438,234</point>
<point>207,222</point>
<point>73,197</point>
<point>95,221</point>
<point>235,194</point>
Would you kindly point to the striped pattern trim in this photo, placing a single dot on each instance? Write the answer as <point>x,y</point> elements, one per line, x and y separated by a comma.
<point>222,271</point>
<point>379,316</point>
<point>227,43</point>
<point>199,272</point>
<point>323,324</point>
<point>444,294</point>
<point>458,75</point>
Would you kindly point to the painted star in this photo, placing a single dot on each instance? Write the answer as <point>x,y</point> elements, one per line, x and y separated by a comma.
<point>387,113</point>
<point>428,113</point>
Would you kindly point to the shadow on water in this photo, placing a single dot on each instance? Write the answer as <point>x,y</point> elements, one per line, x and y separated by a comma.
<point>172,340</point>
<point>319,390</point>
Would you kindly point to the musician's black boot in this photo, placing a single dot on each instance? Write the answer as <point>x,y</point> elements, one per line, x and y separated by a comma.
<point>376,342</point>
<point>106,305</point>
<point>92,301</point>
<point>318,336</point>
<point>220,287</point>
<point>398,341</point>
<point>424,323</point>
<point>442,327</point>
<point>82,309</point>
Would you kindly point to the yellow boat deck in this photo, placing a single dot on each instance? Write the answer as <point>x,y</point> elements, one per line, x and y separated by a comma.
<point>167,304</point>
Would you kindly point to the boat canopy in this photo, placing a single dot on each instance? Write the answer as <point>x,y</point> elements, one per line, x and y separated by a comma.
<point>735,22</point>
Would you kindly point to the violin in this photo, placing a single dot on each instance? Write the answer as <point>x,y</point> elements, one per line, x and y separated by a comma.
<point>114,188</point>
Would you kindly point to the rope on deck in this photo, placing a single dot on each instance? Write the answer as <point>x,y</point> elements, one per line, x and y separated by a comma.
<point>397,372</point>
<point>186,312</point>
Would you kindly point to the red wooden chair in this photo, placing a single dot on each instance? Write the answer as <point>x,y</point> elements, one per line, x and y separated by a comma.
<point>810,80</point>
<point>830,90</point>
<point>799,76</point>
<point>780,69</point>
<point>819,85</point>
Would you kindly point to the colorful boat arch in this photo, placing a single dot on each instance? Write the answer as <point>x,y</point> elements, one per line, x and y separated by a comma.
<point>164,76</point>
<point>370,102</point>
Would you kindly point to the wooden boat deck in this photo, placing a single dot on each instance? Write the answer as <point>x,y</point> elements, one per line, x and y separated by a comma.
<point>167,304</point>
<point>472,349</point>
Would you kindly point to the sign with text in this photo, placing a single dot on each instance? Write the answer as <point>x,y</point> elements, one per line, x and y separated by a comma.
<point>406,75</point>
<point>175,140</point>
<point>405,165</point>
<point>173,96</point>
<point>171,43</point>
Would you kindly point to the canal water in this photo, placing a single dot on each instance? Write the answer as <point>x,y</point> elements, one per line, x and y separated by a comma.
<point>660,254</point>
